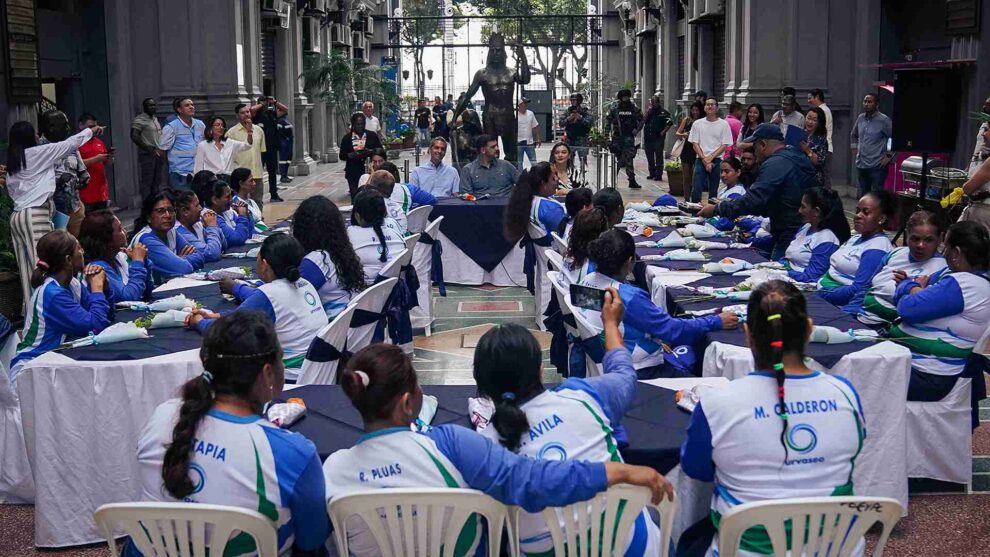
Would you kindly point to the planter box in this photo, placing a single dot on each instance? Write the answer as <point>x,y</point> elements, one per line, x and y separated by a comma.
<point>675,180</point>
<point>409,142</point>
<point>11,297</point>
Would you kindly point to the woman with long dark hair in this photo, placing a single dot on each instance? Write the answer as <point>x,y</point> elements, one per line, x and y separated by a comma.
<point>588,226</point>
<point>103,239</point>
<point>381,383</point>
<point>31,184</point>
<point>530,202</point>
<point>562,162</point>
<point>61,305</point>
<point>232,219</point>
<point>212,445</point>
<point>357,145</point>
<point>289,300</point>
<point>376,238</point>
<point>583,413</point>
<point>941,318</point>
<point>754,117</point>
<point>217,151</point>
<point>330,264</point>
<point>575,201</point>
<point>825,229</point>
<point>782,431</point>
<point>169,252</point>
<point>695,112</point>
<point>610,200</point>
<point>816,145</point>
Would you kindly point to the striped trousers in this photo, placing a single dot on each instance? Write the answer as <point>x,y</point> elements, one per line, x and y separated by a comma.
<point>26,228</point>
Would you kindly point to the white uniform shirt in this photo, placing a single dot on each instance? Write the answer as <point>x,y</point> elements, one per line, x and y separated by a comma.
<point>298,314</point>
<point>332,296</point>
<point>798,252</point>
<point>878,304</point>
<point>368,247</point>
<point>525,124</point>
<point>845,261</point>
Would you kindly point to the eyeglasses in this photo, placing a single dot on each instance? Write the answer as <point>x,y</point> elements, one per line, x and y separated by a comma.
<point>163,210</point>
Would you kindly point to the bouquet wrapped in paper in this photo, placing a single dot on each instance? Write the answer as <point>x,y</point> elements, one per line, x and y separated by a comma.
<point>673,240</point>
<point>118,332</point>
<point>284,414</point>
<point>701,231</point>
<point>831,335</point>
<point>726,265</point>
<point>249,254</point>
<point>677,255</point>
<point>167,319</point>
<point>178,301</point>
<point>704,245</point>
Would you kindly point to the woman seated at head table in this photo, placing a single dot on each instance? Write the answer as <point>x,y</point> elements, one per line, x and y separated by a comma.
<point>575,201</point>
<point>755,437</point>
<point>531,203</point>
<point>649,330</point>
<point>61,305</point>
<point>288,300</point>
<point>377,239</point>
<point>942,320</point>
<point>825,229</point>
<point>853,266</point>
<point>408,196</point>
<point>330,264</point>
<point>508,368</point>
<point>383,182</point>
<point>170,254</point>
<point>243,184</point>
<point>216,430</point>
<point>233,220</point>
<point>103,240</point>
<point>588,226</point>
<point>197,227</point>
<point>382,385</point>
<point>920,257</point>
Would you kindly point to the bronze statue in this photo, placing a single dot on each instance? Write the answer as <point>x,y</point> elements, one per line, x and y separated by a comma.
<point>462,136</point>
<point>498,84</point>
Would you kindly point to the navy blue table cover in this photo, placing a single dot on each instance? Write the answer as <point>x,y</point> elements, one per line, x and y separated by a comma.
<point>654,424</point>
<point>476,228</point>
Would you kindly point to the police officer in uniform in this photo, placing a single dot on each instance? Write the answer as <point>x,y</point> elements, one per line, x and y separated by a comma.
<point>625,120</point>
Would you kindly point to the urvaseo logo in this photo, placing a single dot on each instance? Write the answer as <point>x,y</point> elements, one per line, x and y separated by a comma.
<point>802,438</point>
<point>310,299</point>
<point>552,451</point>
<point>198,476</point>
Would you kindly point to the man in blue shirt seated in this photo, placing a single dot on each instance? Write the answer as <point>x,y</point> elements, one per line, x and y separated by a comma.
<point>488,174</point>
<point>433,176</point>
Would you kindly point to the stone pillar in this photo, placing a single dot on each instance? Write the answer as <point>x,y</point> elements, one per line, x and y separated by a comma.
<point>251,49</point>
<point>289,86</point>
<point>126,174</point>
<point>638,78</point>
<point>690,79</point>
<point>648,65</point>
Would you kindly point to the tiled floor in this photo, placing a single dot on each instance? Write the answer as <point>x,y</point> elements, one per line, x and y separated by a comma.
<point>938,524</point>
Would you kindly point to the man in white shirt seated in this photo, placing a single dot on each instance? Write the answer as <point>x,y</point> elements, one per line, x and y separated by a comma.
<point>434,176</point>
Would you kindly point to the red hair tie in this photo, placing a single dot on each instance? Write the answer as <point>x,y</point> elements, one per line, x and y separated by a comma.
<point>777,344</point>
<point>780,392</point>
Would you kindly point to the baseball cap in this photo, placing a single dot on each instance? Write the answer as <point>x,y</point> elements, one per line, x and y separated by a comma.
<point>765,131</point>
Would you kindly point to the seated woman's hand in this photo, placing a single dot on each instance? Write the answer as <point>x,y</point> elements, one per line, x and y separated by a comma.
<point>729,320</point>
<point>197,315</point>
<point>922,280</point>
<point>209,218</point>
<point>227,285</point>
<point>95,278</point>
<point>642,476</point>
<point>137,252</point>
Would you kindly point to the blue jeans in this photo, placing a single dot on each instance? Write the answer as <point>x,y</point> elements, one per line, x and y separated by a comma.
<point>529,151</point>
<point>871,179</point>
<point>179,182</point>
<point>704,178</point>
<point>423,137</point>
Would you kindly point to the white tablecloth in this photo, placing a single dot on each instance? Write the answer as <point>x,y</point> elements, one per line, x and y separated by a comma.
<point>81,422</point>
<point>880,374</point>
<point>458,268</point>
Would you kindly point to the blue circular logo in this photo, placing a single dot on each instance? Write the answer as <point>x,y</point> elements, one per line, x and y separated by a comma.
<point>310,299</point>
<point>802,438</point>
<point>552,451</point>
<point>198,477</point>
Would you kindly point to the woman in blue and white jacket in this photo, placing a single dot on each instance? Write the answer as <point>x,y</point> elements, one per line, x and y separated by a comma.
<point>102,238</point>
<point>941,320</point>
<point>382,385</point>
<point>169,253</point>
<point>573,421</point>
<point>531,203</point>
<point>782,431</point>
<point>233,221</point>
<point>646,327</point>
<point>825,229</point>
<point>853,266</point>
<point>290,301</point>
<point>61,305</point>
<point>243,184</point>
<point>589,224</point>
<point>197,227</point>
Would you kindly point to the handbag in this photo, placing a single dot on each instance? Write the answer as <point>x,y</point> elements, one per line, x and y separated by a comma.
<point>675,151</point>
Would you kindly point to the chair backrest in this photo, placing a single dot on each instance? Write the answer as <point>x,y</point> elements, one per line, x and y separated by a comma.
<point>559,245</point>
<point>602,525</point>
<point>983,344</point>
<point>8,396</point>
<point>180,529</point>
<point>417,218</point>
<point>411,240</point>
<point>562,289</point>
<point>416,522</point>
<point>589,333</point>
<point>323,357</point>
<point>394,267</point>
<point>366,305</point>
<point>555,260</point>
<point>819,525</point>
<point>433,229</point>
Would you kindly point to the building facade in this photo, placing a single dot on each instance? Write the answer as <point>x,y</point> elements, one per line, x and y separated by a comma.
<point>105,56</point>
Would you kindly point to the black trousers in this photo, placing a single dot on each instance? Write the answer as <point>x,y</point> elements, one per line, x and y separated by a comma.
<point>352,185</point>
<point>654,157</point>
<point>270,159</point>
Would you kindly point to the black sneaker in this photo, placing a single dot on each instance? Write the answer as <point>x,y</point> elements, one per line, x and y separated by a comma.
<point>634,185</point>
<point>286,180</point>
<point>276,199</point>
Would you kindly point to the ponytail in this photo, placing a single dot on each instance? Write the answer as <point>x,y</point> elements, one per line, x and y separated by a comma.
<point>369,204</point>
<point>197,399</point>
<point>521,200</point>
<point>374,379</point>
<point>830,207</point>
<point>284,254</point>
<point>589,224</point>
<point>777,318</point>
<point>507,367</point>
<point>383,257</point>
<point>54,249</point>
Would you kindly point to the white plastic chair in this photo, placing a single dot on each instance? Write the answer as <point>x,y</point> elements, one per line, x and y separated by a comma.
<point>367,304</point>
<point>422,260</point>
<point>16,481</point>
<point>417,219</point>
<point>839,522</point>
<point>319,367</point>
<point>180,529</point>
<point>939,436</point>
<point>541,283</point>
<point>586,331</point>
<point>555,261</point>
<point>437,518</point>
<point>580,528</point>
<point>411,241</point>
<point>393,268</point>
<point>559,245</point>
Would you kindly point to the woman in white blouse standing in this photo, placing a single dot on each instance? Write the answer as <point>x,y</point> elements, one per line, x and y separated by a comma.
<point>30,184</point>
<point>216,153</point>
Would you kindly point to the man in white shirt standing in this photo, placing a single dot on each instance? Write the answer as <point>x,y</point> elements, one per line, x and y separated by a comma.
<point>528,132</point>
<point>817,98</point>
<point>709,138</point>
<point>371,122</point>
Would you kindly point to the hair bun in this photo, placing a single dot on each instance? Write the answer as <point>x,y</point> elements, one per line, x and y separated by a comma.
<point>292,274</point>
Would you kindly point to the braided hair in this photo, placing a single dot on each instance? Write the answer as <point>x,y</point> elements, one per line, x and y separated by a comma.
<point>369,204</point>
<point>235,350</point>
<point>777,321</point>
